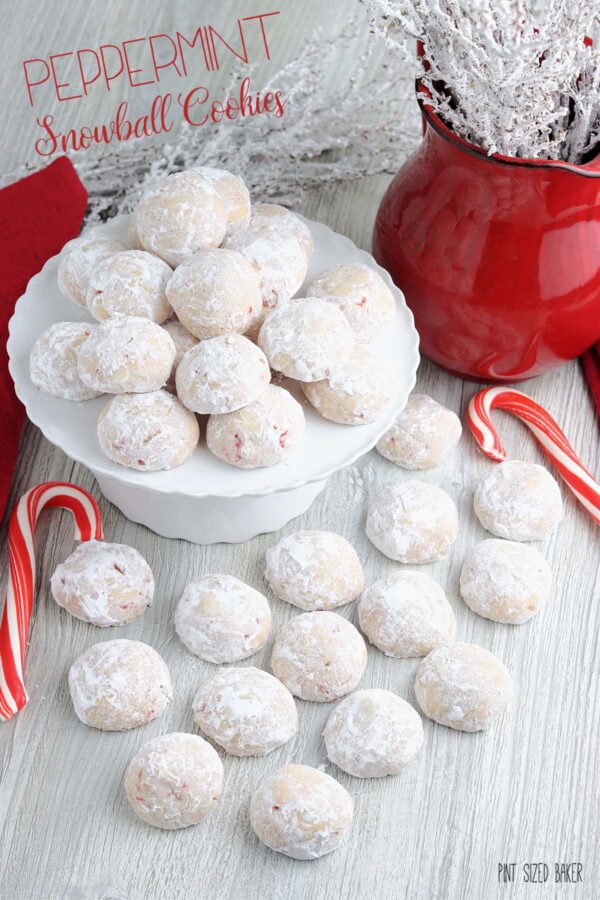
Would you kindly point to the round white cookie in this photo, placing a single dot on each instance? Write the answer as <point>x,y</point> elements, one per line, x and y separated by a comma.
<point>406,614</point>
<point>301,812</point>
<point>520,501</point>
<point>233,193</point>
<point>179,216</point>
<point>356,392</point>
<point>422,436</point>
<point>306,340</point>
<point>184,341</point>
<point>147,432</point>
<point>215,293</point>
<point>505,581</point>
<point>104,584</point>
<point>246,711</point>
<point>222,374</point>
<point>130,283</point>
<point>221,619</point>
<point>361,294</point>
<point>314,570</point>
<point>412,521</point>
<point>79,257</point>
<point>126,355</point>
<point>118,685</point>
<point>319,656</point>
<point>266,432</point>
<point>174,781</point>
<point>373,733</point>
<point>463,686</point>
<point>53,361</point>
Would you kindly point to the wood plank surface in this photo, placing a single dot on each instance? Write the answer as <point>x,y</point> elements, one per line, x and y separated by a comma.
<point>527,791</point>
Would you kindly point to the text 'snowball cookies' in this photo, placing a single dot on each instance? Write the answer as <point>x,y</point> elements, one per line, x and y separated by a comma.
<point>53,361</point>
<point>147,432</point>
<point>358,391</point>
<point>221,619</point>
<point>174,781</point>
<point>406,614</point>
<point>184,341</point>
<point>412,521</point>
<point>301,812</point>
<point>131,283</point>
<point>422,436</point>
<point>306,340</point>
<point>118,685</point>
<point>520,501</point>
<point>79,257</point>
<point>105,584</point>
<point>246,711</point>
<point>126,355</point>
<point>314,570</point>
<point>179,216</point>
<point>373,733</point>
<point>222,374</point>
<point>319,656</point>
<point>278,245</point>
<point>233,193</point>
<point>361,294</point>
<point>463,686</point>
<point>266,432</point>
<point>505,581</point>
<point>215,293</point>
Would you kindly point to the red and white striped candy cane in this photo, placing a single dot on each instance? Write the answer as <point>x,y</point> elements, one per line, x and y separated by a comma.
<point>14,630</point>
<point>546,430</point>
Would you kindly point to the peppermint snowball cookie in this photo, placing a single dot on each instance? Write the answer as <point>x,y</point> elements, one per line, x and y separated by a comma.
<point>131,283</point>
<point>79,257</point>
<point>183,341</point>
<point>463,686</point>
<point>104,584</point>
<point>422,436</point>
<point>222,375</point>
<point>356,392</point>
<point>246,711</point>
<point>266,432</point>
<point>118,685</point>
<point>179,216</point>
<point>174,781</point>
<point>319,656</point>
<point>314,570</point>
<point>505,581</point>
<point>372,734</point>
<point>301,812</point>
<point>221,619</point>
<point>216,292</point>
<point>361,294</point>
<point>306,340</point>
<point>520,501</point>
<point>147,432</point>
<point>53,361</point>
<point>126,355</point>
<point>233,193</point>
<point>406,614</point>
<point>278,245</point>
<point>412,521</point>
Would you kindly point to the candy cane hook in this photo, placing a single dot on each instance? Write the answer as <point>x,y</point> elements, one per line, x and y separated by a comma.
<point>547,432</point>
<point>14,629</point>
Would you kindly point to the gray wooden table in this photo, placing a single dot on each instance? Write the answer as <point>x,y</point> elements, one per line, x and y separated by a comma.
<point>525,792</point>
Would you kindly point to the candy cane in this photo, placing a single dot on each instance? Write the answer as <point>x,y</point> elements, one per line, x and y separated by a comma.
<point>14,630</point>
<point>547,432</point>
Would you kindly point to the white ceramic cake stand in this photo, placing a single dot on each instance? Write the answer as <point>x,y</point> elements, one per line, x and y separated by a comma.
<point>205,500</point>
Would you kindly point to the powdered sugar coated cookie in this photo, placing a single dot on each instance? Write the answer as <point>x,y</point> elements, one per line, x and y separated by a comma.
<point>520,501</point>
<point>233,193</point>
<point>422,436</point>
<point>53,361</point>
<point>79,257</point>
<point>130,283</point>
<point>361,294</point>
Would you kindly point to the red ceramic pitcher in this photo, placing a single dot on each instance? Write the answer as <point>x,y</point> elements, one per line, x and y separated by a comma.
<point>499,258</point>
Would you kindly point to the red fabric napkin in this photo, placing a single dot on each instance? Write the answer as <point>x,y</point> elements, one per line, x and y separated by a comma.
<point>38,215</point>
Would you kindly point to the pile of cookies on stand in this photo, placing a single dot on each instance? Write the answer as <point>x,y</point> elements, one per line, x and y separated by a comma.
<point>230,272</point>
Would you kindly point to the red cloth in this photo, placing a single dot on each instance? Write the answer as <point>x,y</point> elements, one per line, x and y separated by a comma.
<point>591,369</point>
<point>38,215</point>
